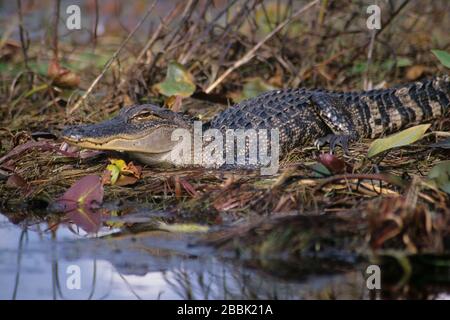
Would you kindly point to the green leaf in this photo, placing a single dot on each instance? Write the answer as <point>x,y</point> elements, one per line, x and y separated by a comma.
<point>320,170</point>
<point>440,173</point>
<point>399,63</point>
<point>40,67</point>
<point>254,87</point>
<point>443,56</point>
<point>359,67</point>
<point>178,82</point>
<point>402,138</point>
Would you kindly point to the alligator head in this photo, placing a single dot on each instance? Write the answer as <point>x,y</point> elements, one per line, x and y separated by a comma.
<point>144,131</point>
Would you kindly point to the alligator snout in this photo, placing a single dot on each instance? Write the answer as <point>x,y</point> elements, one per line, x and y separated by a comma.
<point>74,133</point>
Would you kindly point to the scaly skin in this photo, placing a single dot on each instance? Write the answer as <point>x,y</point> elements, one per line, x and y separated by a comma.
<point>300,115</point>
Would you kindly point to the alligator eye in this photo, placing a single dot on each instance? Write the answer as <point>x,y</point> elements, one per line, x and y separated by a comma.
<point>145,116</point>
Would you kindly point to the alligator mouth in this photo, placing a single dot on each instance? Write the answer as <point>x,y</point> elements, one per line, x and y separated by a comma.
<point>151,142</point>
<point>98,141</point>
<point>94,143</point>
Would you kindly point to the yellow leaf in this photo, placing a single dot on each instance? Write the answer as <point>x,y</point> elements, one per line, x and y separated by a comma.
<point>115,172</point>
<point>183,227</point>
<point>402,138</point>
<point>119,163</point>
<point>121,173</point>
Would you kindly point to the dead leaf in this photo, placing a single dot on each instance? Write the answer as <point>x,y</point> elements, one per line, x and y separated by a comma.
<point>253,87</point>
<point>39,145</point>
<point>174,103</point>
<point>61,76</point>
<point>9,49</point>
<point>17,181</point>
<point>188,187</point>
<point>178,192</point>
<point>415,72</point>
<point>440,174</point>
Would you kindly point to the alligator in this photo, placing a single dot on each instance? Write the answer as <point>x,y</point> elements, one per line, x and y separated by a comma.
<point>302,116</point>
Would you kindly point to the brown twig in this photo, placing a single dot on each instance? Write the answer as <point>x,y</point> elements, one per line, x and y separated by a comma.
<point>24,41</point>
<point>358,50</point>
<point>55,30</point>
<point>367,83</point>
<point>205,33</point>
<point>96,23</point>
<point>340,177</point>
<point>163,24</point>
<point>108,64</point>
<point>251,53</point>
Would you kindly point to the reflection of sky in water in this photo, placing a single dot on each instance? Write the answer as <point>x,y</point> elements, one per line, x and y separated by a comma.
<point>139,268</point>
<point>36,272</point>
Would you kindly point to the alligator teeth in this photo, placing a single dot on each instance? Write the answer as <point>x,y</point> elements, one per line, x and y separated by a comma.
<point>75,137</point>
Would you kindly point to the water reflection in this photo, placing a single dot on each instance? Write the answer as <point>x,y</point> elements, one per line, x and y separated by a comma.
<point>36,263</point>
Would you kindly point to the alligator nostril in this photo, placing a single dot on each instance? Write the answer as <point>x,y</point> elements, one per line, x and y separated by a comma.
<point>72,133</point>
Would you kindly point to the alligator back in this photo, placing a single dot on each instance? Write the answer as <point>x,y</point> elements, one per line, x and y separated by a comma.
<point>373,113</point>
<point>382,111</point>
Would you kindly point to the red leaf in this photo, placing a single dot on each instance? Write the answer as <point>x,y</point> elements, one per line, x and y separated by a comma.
<point>188,187</point>
<point>86,192</point>
<point>332,163</point>
<point>39,145</point>
<point>81,201</point>
<point>86,218</point>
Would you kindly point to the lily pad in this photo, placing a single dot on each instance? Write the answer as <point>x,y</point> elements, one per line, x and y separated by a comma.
<point>178,82</point>
<point>402,138</point>
<point>443,56</point>
<point>440,174</point>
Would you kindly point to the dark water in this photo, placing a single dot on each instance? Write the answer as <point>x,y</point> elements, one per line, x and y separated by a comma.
<point>149,263</point>
<point>152,265</point>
